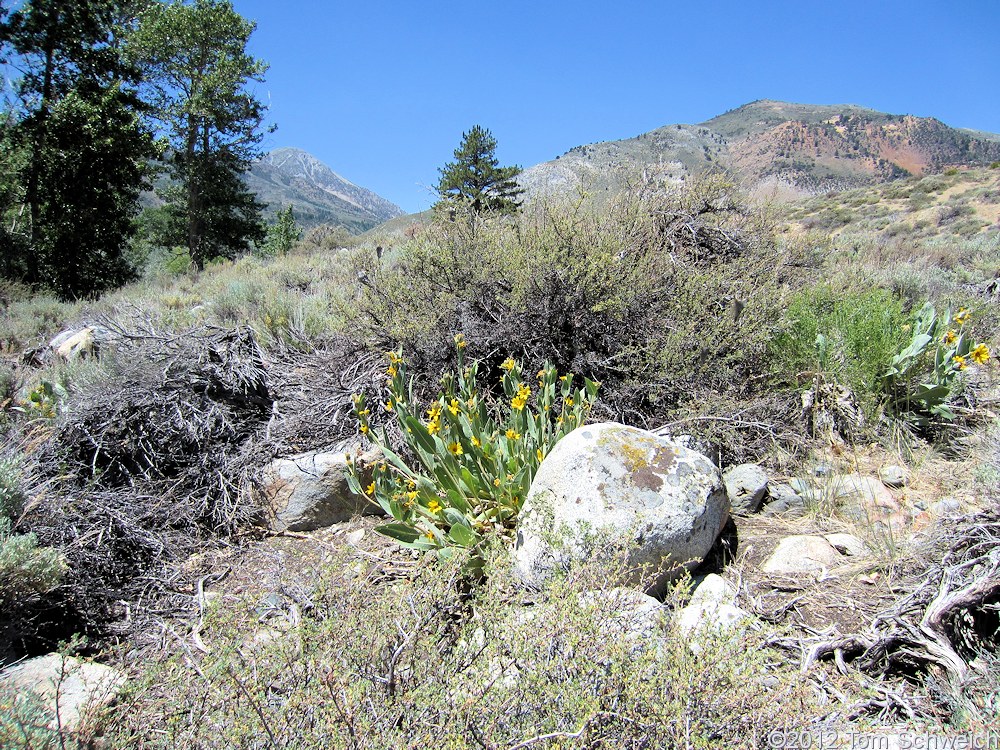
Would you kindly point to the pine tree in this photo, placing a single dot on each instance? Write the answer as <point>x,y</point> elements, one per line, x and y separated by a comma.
<point>476,180</point>
<point>83,147</point>
<point>197,68</point>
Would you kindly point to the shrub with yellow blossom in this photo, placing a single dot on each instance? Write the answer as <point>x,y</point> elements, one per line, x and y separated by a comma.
<point>922,378</point>
<point>475,459</point>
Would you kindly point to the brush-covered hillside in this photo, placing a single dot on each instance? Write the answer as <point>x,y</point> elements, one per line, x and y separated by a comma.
<point>280,497</point>
<point>787,149</point>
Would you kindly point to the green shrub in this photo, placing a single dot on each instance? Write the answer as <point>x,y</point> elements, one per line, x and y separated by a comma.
<point>418,661</point>
<point>844,335</point>
<point>11,492</point>
<point>24,722</point>
<point>644,291</point>
<point>473,463</point>
<point>26,568</point>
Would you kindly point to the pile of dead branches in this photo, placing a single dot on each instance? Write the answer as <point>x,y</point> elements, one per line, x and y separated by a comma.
<point>944,624</point>
<point>155,456</point>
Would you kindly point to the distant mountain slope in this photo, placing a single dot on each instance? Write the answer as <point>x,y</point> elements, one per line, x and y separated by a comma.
<point>318,194</point>
<point>806,148</point>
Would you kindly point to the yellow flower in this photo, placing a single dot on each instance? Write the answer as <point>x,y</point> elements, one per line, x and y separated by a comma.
<point>496,482</point>
<point>960,362</point>
<point>538,454</point>
<point>394,358</point>
<point>434,412</point>
<point>388,405</point>
<point>364,429</point>
<point>411,496</point>
<point>518,403</point>
<point>455,406</point>
<point>512,434</point>
<point>391,372</point>
<point>950,338</point>
<point>433,427</point>
<point>460,341</point>
<point>981,354</point>
<point>370,489</point>
<point>569,401</point>
<point>364,412</point>
<point>541,374</point>
<point>411,484</point>
<point>476,442</point>
<point>455,449</point>
<point>508,364</point>
<point>433,506</point>
<point>429,535</point>
<point>962,316</point>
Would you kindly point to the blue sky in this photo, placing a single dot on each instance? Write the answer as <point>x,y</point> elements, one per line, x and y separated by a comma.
<point>382,91</point>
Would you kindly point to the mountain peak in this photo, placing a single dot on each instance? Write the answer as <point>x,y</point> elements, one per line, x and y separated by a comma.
<point>317,194</point>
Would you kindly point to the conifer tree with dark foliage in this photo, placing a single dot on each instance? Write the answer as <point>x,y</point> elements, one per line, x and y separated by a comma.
<point>82,146</point>
<point>197,71</point>
<point>476,180</point>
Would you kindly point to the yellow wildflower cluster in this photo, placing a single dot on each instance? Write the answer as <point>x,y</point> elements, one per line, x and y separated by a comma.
<point>950,338</point>
<point>508,364</point>
<point>962,316</point>
<point>521,399</point>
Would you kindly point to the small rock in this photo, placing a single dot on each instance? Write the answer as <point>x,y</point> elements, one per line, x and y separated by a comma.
<point>746,485</point>
<point>785,501</point>
<point>713,589</point>
<point>847,544</point>
<point>862,499</point>
<point>712,609</point>
<point>69,688</point>
<point>800,485</point>
<point>310,491</point>
<point>894,476</point>
<point>802,554</point>
<point>635,615</point>
<point>947,506</point>
<point>717,618</point>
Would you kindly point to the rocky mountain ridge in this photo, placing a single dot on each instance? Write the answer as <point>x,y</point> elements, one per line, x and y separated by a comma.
<point>318,194</point>
<point>799,149</point>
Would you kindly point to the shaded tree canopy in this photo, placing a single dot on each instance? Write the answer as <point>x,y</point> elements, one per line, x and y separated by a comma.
<point>76,145</point>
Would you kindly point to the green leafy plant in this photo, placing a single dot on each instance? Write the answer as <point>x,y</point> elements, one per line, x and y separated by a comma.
<point>923,377</point>
<point>474,460</point>
<point>44,400</point>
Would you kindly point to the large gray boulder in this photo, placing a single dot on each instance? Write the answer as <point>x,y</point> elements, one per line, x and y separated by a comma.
<point>310,491</point>
<point>69,689</point>
<point>608,486</point>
